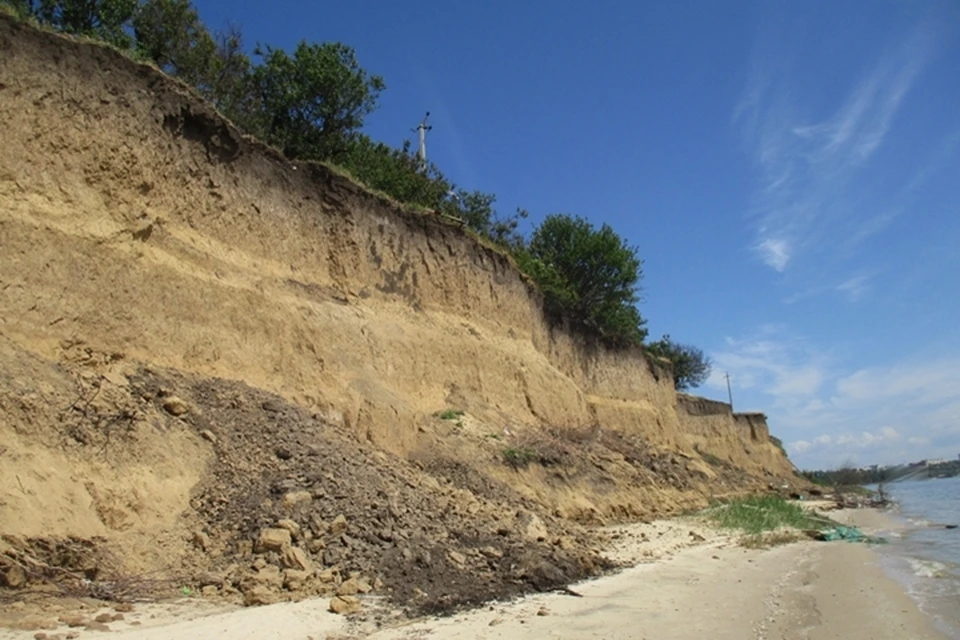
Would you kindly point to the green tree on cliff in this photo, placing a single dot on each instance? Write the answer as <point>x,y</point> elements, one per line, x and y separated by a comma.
<point>107,20</point>
<point>589,276</point>
<point>171,34</point>
<point>311,104</point>
<point>691,367</point>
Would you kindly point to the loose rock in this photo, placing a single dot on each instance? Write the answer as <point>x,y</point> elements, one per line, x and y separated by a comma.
<point>294,498</point>
<point>339,525</point>
<point>345,605</point>
<point>296,558</point>
<point>175,406</point>
<point>273,540</point>
<point>290,526</point>
<point>259,595</point>
<point>13,577</point>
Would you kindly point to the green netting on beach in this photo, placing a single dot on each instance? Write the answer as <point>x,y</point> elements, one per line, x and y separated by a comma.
<point>848,534</point>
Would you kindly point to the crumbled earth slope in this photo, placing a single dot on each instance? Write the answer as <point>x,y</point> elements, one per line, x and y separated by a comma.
<point>311,331</point>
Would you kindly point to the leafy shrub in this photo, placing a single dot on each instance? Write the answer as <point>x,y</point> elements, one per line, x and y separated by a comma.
<point>691,367</point>
<point>588,276</point>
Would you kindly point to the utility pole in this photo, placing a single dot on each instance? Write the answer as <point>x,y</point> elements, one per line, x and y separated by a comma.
<point>729,392</point>
<point>421,130</point>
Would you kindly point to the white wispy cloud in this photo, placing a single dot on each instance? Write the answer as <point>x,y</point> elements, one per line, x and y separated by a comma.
<point>782,367</point>
<point>855,286</point>
<point>807,162</point>
<point>905,410</point>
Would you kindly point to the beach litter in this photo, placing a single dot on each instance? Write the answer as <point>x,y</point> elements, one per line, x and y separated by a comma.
<point>841,532</point>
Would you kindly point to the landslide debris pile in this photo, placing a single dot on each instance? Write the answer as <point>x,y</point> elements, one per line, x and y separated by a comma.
<point>289,505</point>
<point>294,494</point>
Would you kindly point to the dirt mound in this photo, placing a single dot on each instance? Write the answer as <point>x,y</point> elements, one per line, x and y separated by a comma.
<point>353,509</point>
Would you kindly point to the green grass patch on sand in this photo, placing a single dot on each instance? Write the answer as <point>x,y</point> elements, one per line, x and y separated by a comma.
<point>758,514</point>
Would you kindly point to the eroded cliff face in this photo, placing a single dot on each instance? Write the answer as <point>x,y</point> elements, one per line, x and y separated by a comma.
<point>740,439</point>
<point>140,229</point>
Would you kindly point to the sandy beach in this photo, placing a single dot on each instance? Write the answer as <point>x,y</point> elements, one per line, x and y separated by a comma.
<point>804,591</point>
<point>684,587</point>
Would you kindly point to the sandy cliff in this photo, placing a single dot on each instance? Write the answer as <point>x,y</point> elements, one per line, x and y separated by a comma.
<point>147,247</point>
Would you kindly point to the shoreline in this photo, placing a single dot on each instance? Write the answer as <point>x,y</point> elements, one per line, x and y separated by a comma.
<point>687,581</point>
<point>921,575</point>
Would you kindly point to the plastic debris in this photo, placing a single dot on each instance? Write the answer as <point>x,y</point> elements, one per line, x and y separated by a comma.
<point>848,534</point>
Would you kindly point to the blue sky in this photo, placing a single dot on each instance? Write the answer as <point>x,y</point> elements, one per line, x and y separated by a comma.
<point>789,172</point>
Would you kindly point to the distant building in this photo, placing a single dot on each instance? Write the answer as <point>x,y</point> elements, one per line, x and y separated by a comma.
<point>935,461</point>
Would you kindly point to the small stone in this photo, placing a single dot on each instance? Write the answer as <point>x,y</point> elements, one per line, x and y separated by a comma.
<point>290,526</point>
<point>201,540</point>
<point>73,620</point>
<point>175,406</point>
<point>96,626</point>
<point>283,453</point>
<point>269,575</point>
<point>349,587</point>
<point>316,545</point>
<point>345,605</point>
<point>273,540</point>
<point>292,499</point>
<point>457,558</point>
<point>339,525</point>
<point>208,435</point>
<point>296,558</point>
<point>104,617</point>
<point>123,607</point>
<point>259,595</point>
<point>328,575</point>
<point>294,580</point>
<point>273,406</point>
<point>40,636</point>
<point>117,617</point>
<point>543,611</point>
<point>209,591</point>
<point>13,577</point>
<point>491,552</point>
<point>208,578</point>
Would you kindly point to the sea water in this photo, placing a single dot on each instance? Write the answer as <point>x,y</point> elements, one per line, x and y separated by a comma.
<point>922,552</point>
